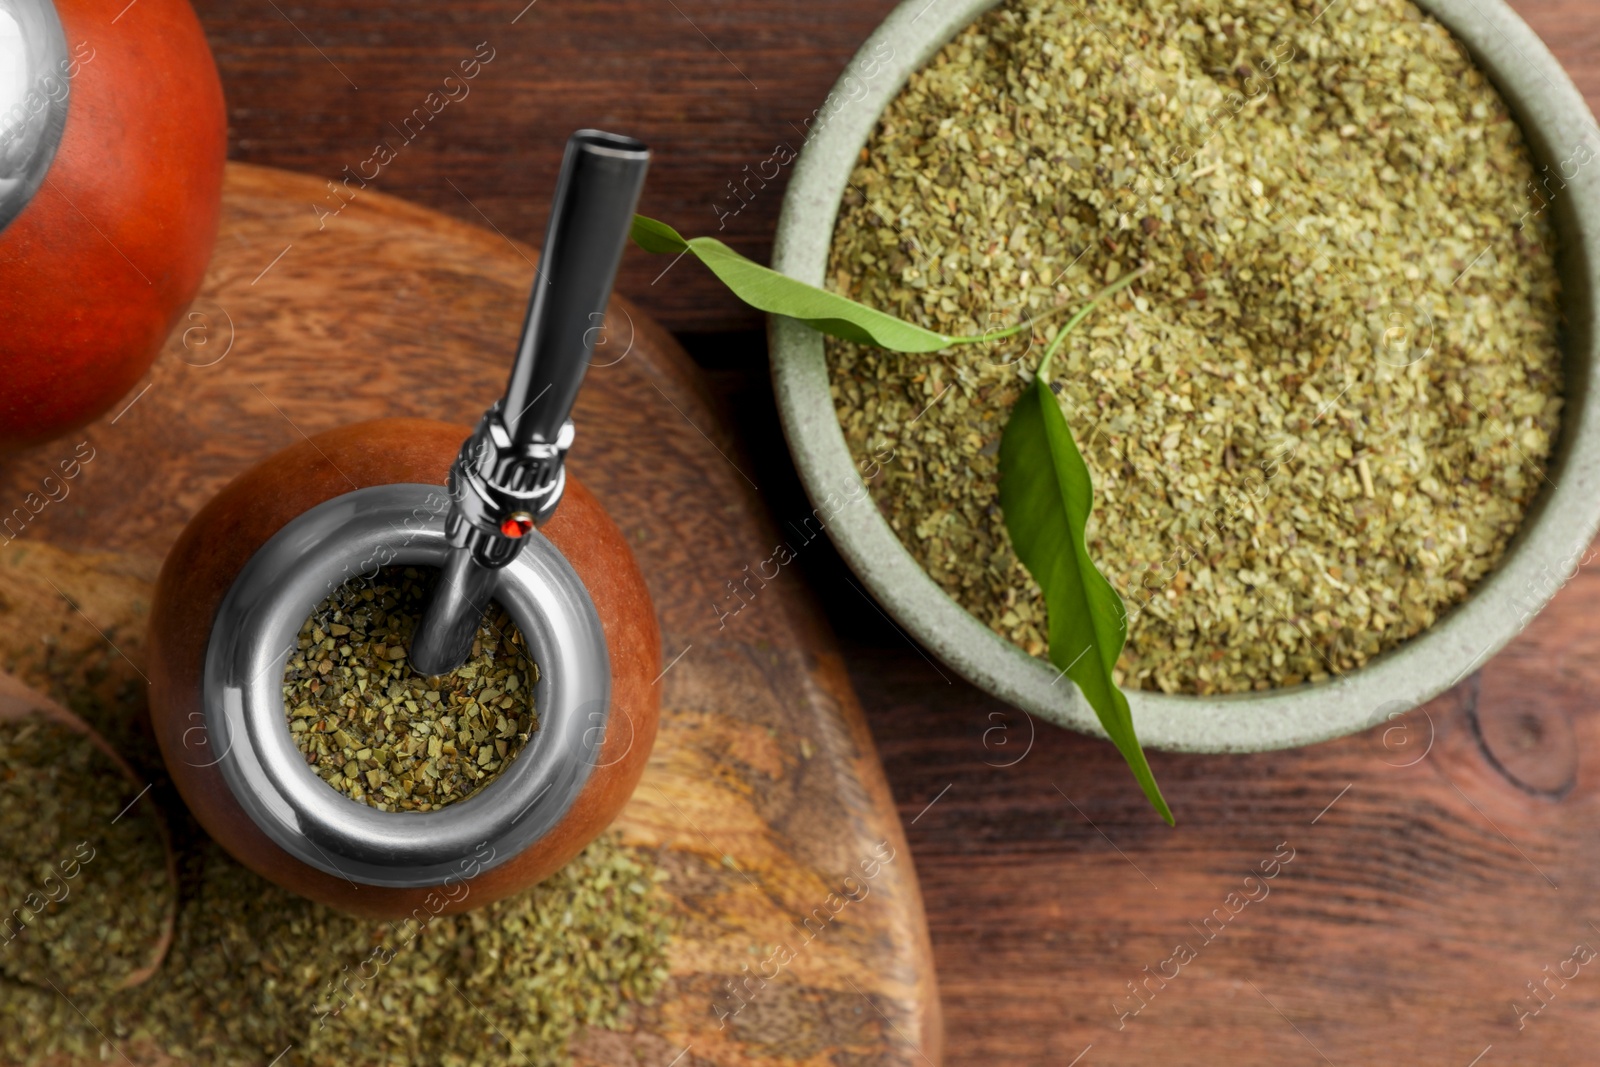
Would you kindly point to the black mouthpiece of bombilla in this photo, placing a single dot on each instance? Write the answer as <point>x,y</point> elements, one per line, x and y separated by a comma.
<point>511,472</point>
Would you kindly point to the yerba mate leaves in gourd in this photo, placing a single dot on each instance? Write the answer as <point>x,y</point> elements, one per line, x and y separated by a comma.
<point>1049,497</point>
<point>379,732</point>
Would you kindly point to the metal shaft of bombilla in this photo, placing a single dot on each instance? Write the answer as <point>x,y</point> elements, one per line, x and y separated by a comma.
<point>511,472</point>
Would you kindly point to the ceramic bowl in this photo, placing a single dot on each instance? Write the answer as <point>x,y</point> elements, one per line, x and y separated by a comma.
<point>1550,546</point>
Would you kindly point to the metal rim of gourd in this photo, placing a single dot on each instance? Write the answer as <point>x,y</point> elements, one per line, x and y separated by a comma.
<point>1558,528</point>
<point>246,729</point>
<point>34,90</point>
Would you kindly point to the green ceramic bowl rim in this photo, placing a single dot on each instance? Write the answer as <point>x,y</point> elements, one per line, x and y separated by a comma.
<point>1550,546</point>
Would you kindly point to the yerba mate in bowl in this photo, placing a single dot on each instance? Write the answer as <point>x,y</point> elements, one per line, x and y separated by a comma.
<point>1289,480</point>
<point>1346,351</point>
<point>379,732</point>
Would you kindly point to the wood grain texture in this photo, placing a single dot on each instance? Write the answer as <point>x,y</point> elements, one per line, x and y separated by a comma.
<point>763,793</point>
<point>711,85</point>
<point>1421,897</point>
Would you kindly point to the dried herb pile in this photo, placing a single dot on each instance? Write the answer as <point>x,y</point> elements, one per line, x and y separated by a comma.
<point>256,972</point>
<point>381,733</point>
<point>1317,421</point>
<point>84,892</point>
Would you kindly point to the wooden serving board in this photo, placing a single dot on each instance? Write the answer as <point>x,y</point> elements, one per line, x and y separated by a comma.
<point>764,792</point>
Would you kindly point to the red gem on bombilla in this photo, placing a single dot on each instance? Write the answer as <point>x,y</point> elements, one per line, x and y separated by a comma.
<point>517,525</point>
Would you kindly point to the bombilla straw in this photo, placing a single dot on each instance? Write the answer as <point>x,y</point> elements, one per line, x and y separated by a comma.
<point>511,472</point>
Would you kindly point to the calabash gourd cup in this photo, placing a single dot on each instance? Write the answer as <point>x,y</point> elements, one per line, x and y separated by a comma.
<point>255,561</point>
<point>113,135</point>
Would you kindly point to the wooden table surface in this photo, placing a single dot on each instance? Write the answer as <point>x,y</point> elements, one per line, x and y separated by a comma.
<point>1438,866</point>
<point>713,86</point>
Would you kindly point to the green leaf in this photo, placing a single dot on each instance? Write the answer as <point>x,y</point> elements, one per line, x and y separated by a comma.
<point>766,290</point>
<point>1044,489</point>
<point>1046,496</point>
<point>657,237</point>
